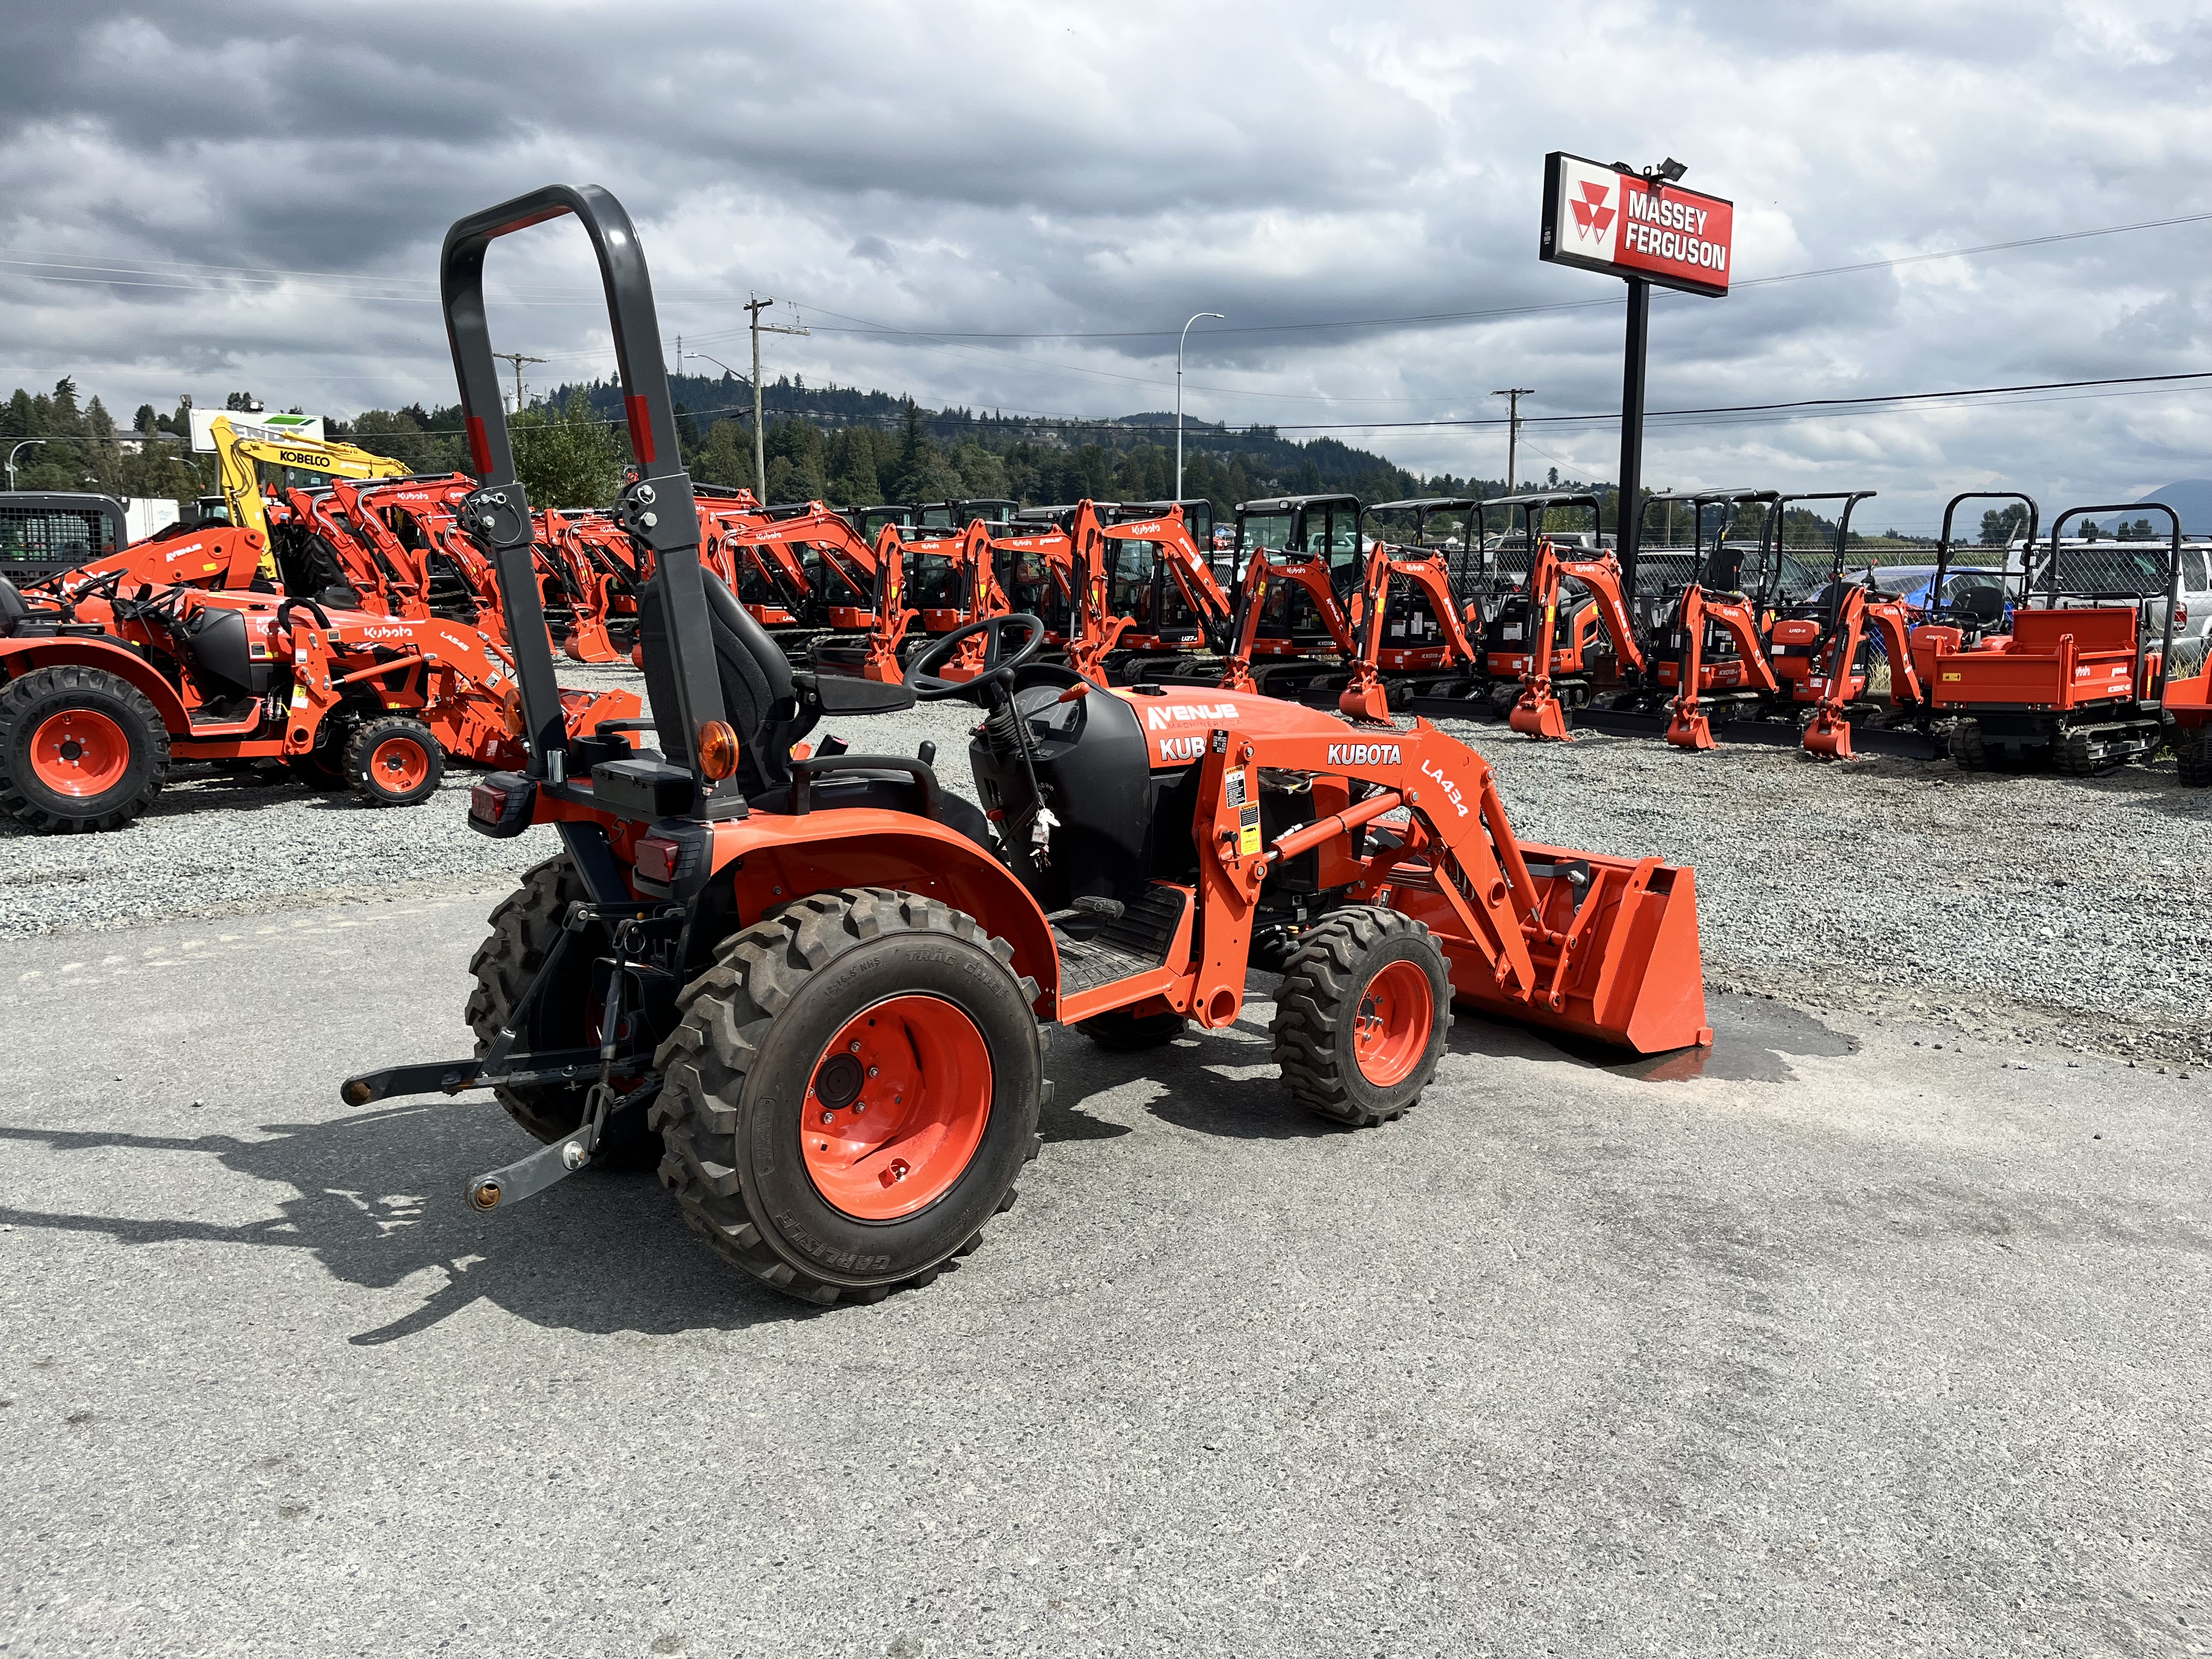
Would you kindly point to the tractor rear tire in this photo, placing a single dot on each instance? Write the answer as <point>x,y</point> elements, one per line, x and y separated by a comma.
<point>1362,1016</point>
<point>2192,756</point>
<point>524,928</point>
<point>766,1081</point>
<point>80,749</point>
<point>394,761</point>
<point>1128,1032</point>
<point>1966,747</point>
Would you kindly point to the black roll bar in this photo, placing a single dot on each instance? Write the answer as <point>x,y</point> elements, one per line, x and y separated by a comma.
<point>656,507</point>
<point>1936,608</point>
<point>2172,572</point>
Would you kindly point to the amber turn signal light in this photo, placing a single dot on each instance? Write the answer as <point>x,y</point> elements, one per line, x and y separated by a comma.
<point>718,750</point>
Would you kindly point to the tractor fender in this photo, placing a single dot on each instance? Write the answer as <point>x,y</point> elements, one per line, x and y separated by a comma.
<point>772,859</point>
<point>21,657</point>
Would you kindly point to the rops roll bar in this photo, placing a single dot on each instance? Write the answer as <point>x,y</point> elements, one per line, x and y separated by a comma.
<point>1936,608</point>
<point>656,507</point>
<point>2172,572</point>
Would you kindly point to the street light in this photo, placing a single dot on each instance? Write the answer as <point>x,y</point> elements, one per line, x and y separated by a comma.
<point>1181,342</point>
<point>717,361</point>
<point>14,452</point>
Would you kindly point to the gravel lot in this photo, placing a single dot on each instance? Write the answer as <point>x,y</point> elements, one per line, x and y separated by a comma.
<point>2056,910</point>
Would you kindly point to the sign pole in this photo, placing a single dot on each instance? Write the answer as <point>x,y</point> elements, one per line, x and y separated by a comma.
<point>1628,517</point>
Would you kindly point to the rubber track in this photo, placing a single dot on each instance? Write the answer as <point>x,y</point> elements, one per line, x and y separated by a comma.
<point>68,678</point>
<point>1966,746</point>
<point>2192,756</point>
<point>727,1011</point>
<point>523,929</point>
<point>1308,1003</point>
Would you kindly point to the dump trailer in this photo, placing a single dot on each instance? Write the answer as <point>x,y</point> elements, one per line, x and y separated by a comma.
<point>813,990</point>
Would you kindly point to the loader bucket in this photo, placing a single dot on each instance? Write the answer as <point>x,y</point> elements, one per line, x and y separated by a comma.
<point>1622,962</point>
<point>1689,730</point>
<point>1829,735</point>
<point>1538,715</point>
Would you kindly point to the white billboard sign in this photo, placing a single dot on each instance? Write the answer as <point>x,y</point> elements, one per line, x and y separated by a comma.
<point>270,429</point>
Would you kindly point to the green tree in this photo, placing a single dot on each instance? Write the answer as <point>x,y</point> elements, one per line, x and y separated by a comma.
<point>854,481</point>
<point>568,457</point>
<point>2000,525</point>
<point>724,457</point>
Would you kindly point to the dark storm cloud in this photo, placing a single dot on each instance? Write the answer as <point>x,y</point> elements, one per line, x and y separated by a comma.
<point>1008,168</point>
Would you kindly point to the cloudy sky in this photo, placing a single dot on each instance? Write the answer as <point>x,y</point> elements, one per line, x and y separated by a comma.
<point>1014,206</point>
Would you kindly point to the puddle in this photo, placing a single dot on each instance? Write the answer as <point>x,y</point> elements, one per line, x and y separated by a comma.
<point>1751,1034</point>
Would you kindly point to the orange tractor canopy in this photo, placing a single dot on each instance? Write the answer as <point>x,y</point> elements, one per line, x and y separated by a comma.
<point>813,990</point>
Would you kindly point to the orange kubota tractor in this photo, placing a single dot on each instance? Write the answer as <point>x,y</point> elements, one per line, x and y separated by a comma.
<point>100,694</point>
<point>814,990</point>
<point>1299,566</point>
<point>1550,634</point>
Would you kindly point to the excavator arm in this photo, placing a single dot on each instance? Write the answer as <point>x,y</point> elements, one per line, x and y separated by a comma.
<point>235,456</point>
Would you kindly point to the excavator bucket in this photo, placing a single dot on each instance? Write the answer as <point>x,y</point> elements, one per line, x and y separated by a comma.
<point>1538,715</point>
<point>587,641</point>
<point>1622,963</point>
<point>1828,733</point>
<point>1365,702</point>
<point>1690,729</point>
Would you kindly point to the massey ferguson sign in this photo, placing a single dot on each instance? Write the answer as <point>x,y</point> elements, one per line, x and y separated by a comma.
<point>1626,225</point>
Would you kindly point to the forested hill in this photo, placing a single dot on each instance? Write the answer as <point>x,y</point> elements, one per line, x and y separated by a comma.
<point>851,447</point>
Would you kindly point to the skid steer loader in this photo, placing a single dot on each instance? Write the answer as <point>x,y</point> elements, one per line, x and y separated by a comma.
<point>814,989</point>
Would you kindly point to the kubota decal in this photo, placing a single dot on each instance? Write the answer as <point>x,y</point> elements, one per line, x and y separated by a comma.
<point>1363,754</point>
<point>1181,748</point>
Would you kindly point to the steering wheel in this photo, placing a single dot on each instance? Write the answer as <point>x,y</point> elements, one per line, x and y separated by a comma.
<point>929,687</point>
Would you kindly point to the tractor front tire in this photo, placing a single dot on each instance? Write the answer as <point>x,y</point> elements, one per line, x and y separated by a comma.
<point>80,749</point>
<point>394,761</point>
<point>853,1089</point>
<point>1362,1016</point>
<point>525,927</point>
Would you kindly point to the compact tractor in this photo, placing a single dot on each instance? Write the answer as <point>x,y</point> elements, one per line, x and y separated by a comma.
<point>100,693</point>
<point>814,990</point>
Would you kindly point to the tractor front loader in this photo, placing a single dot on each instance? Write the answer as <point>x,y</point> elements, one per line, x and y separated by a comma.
<point>813,989</point>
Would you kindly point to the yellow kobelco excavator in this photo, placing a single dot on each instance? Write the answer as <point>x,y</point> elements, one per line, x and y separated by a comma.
<point>236,453</point>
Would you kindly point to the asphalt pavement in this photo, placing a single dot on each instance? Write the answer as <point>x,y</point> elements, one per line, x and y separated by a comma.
<point>1850,1345</point>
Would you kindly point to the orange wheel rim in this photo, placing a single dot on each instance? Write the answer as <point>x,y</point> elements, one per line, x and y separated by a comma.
<point>896,1107</point>
<point>1397,1011</point>
<point>399,765</point>
<point>79,753</point>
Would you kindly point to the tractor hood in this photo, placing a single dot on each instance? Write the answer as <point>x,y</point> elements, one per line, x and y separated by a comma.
<point>1177,720</point>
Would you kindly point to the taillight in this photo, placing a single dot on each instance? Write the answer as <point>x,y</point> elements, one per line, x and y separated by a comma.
<point>659,861</point>
<point>501,805</point>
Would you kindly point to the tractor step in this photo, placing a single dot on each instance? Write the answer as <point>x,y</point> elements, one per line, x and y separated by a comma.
<point>1134,942</point>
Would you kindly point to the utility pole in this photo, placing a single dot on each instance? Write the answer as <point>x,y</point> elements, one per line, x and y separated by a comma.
<point>518,359</point>
<point>1513,394</point>
<point>755,306</point>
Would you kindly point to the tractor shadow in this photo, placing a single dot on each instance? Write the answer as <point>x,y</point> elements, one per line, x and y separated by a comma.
<point>1751,1036</point>
<point>1222,1083</point>
<point>376,1198</point>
